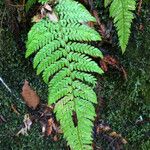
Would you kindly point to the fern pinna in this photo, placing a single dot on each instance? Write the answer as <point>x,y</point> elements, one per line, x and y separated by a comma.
<point>65,61</point>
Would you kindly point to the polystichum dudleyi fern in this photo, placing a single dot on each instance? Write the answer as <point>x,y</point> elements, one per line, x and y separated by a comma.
<point>65,62</point>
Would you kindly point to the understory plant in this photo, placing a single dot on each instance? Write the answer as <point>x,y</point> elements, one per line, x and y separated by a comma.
<point>122,12</point>
<point>60,41</point>
<point>64,60</point>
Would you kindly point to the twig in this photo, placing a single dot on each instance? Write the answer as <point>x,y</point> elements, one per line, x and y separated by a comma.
<point>112,142</point>
<point>18,5</point>
<point>139,7</point>
<point>3,17</point>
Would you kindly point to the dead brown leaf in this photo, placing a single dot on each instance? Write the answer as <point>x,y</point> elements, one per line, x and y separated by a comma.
<point>139,7</point>
<point>30,96</point>
<point>104,131</point>
<point>37,18</point>
<point>49,126</point>
<point>47,11</point>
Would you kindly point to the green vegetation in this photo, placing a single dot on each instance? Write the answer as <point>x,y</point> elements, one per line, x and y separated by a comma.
<point>120,10</point>
<point>62,56</point>
<point>126,101</point>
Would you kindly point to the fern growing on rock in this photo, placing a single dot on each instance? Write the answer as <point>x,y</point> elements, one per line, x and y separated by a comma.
<point>64,60</point>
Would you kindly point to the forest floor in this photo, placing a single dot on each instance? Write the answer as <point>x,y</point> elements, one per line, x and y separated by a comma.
<point>123,95</point>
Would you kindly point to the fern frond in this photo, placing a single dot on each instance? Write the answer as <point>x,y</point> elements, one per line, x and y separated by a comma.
<point>121,11</point>
<point>86,93</point>
<point>50,60</point>
<point>61,84</point>
<point>39,42</point>
<point>53,98</point>
<point>41,34</point>
<point>66,66</point>
<point>69,11</point>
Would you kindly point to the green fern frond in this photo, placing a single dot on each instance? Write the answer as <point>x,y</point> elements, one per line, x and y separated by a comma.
<point>64,60</point>
<point>43,1</point>
<point>107,2</point>
<point>121,11</point>
<point>69,11</point>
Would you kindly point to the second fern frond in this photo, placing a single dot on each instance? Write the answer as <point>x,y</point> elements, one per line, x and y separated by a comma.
<point>121,11</point>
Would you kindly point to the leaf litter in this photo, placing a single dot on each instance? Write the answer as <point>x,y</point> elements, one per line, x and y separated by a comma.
<point>37,113</point>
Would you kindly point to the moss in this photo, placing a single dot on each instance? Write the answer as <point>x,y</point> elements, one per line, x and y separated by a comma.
<point>128,101</point>
<point>14,69</point>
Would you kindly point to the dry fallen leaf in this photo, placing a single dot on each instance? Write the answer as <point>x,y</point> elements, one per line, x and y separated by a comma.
<point>37,18</point>
<point>47,11</point>
<point>49,126</point>
<point>48,7</point>
<point>30,96</point>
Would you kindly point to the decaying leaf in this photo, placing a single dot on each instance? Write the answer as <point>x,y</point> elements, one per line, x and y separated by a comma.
<point>26,126</point>
<point>105,132</point>
<point>52,16</point>
<point>47,11</point>
<point>2,119</point>
<point>113,62</point>
<point>50,126</point>
<point>36,18</point>
<point>30,96</point>
<point>48,7</point>
<point>48,123</point>
<point>13,107</point>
